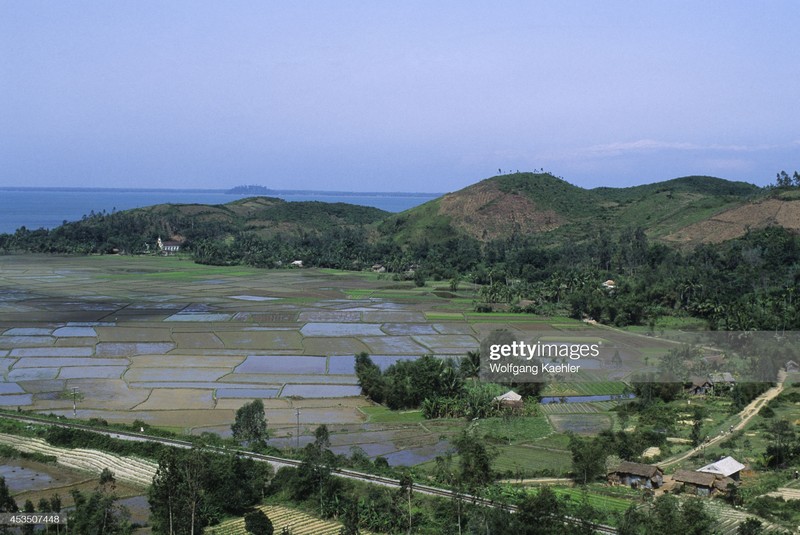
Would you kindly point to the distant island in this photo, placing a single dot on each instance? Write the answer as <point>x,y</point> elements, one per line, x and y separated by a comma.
<point>250,190</point>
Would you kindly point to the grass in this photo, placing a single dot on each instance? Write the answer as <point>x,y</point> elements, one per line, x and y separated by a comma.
<point>520,461</point>
<point>162,265</point>
<point>361,274</point>
<point>382,415</point>
<point>670,323</point>
<point>569,326</point>
<point>411,293</point>
<point>515,430</point>
<point>525,460</point>
<point>584,389</point>
<point>578,408</point>
<point>583,424</point>
<point>504,317</point>
<point>558,441</point>
<point>600,501</point>
<point>177,430</point>
<point>444,316</point>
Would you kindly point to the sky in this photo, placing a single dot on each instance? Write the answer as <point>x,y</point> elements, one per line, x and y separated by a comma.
<point>395,96</point>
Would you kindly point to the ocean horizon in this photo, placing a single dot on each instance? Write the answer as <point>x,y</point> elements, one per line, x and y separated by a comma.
<point>36,208</point>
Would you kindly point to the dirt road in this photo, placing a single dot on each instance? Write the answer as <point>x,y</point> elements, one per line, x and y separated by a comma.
<point>745,416</point>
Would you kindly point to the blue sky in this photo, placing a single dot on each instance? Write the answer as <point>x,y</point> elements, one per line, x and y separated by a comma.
<point>395,96</point>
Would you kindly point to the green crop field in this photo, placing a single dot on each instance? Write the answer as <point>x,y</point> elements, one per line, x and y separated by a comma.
<point>584,389</point>
<point>383,415</point>
<point>519,429</point>
<point>527,460</point>
<point>602,502</point>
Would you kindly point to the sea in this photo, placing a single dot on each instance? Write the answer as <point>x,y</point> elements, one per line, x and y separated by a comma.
<point>36,208</point>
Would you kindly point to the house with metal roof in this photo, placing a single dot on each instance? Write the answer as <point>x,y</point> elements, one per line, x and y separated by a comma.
<point>725,467</point>
<point>509,399</point>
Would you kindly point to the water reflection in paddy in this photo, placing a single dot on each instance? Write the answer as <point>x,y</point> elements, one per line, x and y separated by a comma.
<point>412,456</point>
<point>342,365</point>
<point>341,329</point>
<point>12,400</point>
<point>282,364</point>
<point>252,393</point>
<point>21,479</point>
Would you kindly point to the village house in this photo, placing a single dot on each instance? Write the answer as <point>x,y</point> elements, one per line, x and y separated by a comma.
<point>168,247</point>
<point>510,399</point>
<point>725,467</point>
<point>715,383</point>
<point>710,479</point>
<point>637,475</point>
<point>701,483</point>
<point>792,367</point>
<point>722,381</point>
<point>700,386</point>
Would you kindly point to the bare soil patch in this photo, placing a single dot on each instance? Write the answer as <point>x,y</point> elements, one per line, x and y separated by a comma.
<point>734,223</point>
<point>486,213</point>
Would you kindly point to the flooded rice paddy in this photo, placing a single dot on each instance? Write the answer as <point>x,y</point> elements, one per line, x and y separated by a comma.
<point>181,345</point>
<point>23,476</point>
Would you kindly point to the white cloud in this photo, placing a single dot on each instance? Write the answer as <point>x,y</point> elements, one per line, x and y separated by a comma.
<point>642,145</point>
<point>653,145</point>
<point>615,149</point>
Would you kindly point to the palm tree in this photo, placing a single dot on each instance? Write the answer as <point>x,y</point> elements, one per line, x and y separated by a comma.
<point>471,364</point>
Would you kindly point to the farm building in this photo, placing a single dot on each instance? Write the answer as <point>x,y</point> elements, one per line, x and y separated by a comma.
<point>722,381</point>
<point>701,483</point>
<point>725,467</point>
<point>168,247</point>
<point>700,386</point>
<point>714,383</point>
<point>637,475</point>
<point>510,399</point>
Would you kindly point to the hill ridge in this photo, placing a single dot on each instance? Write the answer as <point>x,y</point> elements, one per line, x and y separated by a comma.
<point>542,204</point>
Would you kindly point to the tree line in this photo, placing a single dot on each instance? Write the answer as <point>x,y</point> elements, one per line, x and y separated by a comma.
<point>442,388</point>
<point>749,283</point>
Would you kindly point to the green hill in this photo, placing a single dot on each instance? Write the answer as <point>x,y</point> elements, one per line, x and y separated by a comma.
<point>137,229</point>
<point>703,185</point>
<point>542,204</point>
<point>495,208</point>
<point>665,207</point>
<point>263,215</point>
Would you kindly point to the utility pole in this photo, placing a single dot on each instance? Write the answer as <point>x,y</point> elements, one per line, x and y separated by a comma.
<point>297,438</point>
<point>74,401</point>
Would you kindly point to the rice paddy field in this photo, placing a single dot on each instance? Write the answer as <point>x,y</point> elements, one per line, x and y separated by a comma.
<point>183,346</point>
